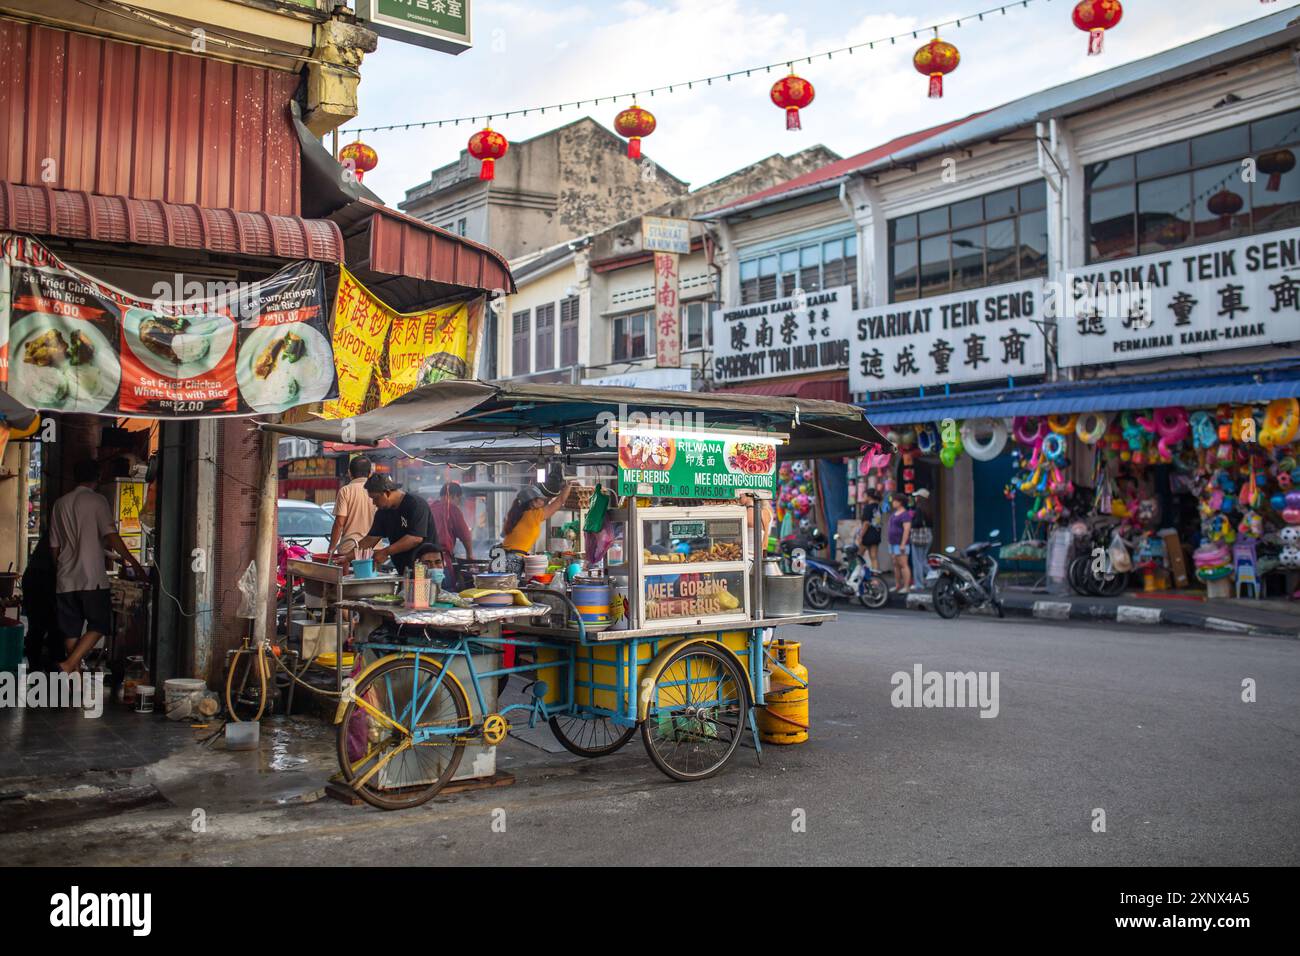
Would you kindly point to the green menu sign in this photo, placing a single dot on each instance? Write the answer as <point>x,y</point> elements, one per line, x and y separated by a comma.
<point>442,25</point>
<point>659,464</point>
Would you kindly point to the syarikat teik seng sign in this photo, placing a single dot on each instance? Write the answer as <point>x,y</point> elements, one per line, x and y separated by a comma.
<point>789,336</point>
<point>1222,295</point>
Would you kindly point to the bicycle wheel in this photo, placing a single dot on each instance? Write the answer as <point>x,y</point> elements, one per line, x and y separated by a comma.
<point>590,735</point>
<point>698,709</point>
<point>397,771</point>
<point>874,593</point>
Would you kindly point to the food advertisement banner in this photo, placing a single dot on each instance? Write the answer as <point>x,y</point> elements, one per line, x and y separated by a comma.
<point>1221,295</point>
<point>662,465</point>
<point>70,343</point>
<point>381,354</point>
<point>693,594</point>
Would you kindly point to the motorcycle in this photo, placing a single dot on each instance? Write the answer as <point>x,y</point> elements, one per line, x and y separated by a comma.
<point>969,581</point>
<point>824,581</point>
<point>287,584</point>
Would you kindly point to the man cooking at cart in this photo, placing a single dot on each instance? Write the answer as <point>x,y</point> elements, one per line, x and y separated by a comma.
<point>401,518</point>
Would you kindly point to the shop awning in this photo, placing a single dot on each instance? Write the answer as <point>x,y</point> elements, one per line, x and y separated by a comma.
<point>831,389</point>
<point>76,214</point>
<point>816,428</point>
<point>1241,385</point>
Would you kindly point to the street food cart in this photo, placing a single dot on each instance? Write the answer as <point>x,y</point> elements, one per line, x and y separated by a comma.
<point>687,660</point>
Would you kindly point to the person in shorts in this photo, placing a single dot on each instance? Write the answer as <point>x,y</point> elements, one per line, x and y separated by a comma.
<point>81,529</point>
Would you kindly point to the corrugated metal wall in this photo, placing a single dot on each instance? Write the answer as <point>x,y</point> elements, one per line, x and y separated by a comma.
<point>121,119</point>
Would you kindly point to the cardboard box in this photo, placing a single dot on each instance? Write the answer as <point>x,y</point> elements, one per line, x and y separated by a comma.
<point>1175,559</point>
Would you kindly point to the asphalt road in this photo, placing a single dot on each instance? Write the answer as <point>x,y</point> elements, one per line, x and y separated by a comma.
<point>1146,724</point>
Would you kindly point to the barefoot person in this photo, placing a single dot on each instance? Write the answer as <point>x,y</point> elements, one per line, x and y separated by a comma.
<point>81,528</point>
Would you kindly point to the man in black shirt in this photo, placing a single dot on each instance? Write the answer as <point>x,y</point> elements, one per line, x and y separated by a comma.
<point>402,518</point>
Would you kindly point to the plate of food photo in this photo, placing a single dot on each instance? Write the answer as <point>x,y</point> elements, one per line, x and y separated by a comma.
<point>750,457</point>
<point>647,452</point>
<point>61,364</point>
<point>280,366</point>
<point>178,346</point>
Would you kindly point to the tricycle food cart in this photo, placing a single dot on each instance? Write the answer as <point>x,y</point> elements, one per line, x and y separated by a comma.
<point>689,661</point>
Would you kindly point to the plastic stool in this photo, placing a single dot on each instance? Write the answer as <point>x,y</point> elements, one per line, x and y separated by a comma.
<point>1243,558</point>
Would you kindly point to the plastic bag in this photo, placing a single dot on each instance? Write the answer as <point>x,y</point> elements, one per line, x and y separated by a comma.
<point>248,591</point>
<point>1120,560</point>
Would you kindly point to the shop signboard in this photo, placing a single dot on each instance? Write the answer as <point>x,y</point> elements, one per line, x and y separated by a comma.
<point>668,326</point>
<point>667,379</point>
<point>795,335</point>
<point>71,343</point>
<point>980,335</point>
<point>442,25</point>
<point>666,235</point>
<point>660,463</point>
<point>1222,295</point>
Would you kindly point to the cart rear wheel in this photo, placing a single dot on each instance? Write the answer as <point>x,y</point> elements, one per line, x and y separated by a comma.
<point>401,772</point>
<point>590,736</point>
<point>697,712</point>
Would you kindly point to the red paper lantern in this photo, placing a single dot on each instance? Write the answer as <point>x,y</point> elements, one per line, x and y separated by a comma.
<point>359,157</point>
<point>487,145</point>
<point>792,93</point>
<point>1225,204</point>
<point>634,123</point>
<point>1096,17</point>
<point>934,60</point>
<point>1276,163</point>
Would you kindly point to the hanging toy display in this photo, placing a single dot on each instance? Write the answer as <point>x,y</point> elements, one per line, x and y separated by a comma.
<point>1091,427</point>
<point>927,438</point>
<point>983,438</point>
<point>795,489</point>
<point>950,436</point>
<point>1205,432</point>
<point>1281,422</point>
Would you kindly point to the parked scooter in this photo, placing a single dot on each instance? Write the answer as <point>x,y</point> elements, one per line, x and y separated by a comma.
<point>824,580</point>
<point>969,581</point>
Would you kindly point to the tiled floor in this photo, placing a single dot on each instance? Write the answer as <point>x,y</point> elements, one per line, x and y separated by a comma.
<point>38,742</point>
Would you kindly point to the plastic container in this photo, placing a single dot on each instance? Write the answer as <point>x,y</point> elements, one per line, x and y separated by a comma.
<point>243,736</point>
<point>181,689</point>
<point>363,569</point>
<point>144,698</point>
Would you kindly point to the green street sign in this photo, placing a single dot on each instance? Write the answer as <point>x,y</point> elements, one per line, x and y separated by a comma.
<point>657,463</point>
<point>442,25</point>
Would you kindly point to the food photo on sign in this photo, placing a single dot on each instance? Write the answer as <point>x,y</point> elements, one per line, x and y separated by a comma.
<point>77,344</point>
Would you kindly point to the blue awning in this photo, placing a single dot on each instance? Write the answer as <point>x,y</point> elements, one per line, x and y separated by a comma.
<point>1242,385</point>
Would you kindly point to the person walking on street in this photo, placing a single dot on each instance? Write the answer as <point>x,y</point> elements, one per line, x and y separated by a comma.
<point>81,528</point>
<point>900,534</point>
<point>869,531</point>
<point>920,538</point>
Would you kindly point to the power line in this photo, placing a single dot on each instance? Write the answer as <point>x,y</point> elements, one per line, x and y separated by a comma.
<point>914,34</point>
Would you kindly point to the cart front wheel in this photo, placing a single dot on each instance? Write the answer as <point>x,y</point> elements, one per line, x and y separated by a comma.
<point>405,743</point>
<point>590,735</point>
<point>697,712</point>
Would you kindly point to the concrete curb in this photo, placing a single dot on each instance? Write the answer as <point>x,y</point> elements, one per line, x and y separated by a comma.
<point>1081,609</point>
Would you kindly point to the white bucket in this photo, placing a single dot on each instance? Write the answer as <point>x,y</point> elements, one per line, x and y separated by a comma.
<point>180,689</point>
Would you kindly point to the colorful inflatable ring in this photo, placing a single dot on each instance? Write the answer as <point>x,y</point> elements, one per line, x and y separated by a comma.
<point>927,439</point>
<point>1214,574</point>
<point>984,438</point>
<point>1205,431</point>
<point>1281,422</point>
<point>1240,416</point>
<point>1054,447</point>
<point>1062,424</point>
<point>1091,427</point>
<point>1022,434</point>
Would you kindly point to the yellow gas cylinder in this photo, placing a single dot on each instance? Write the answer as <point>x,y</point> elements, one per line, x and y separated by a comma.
<point>784,718</point>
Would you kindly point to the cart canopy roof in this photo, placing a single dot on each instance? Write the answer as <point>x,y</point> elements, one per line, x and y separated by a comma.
<point>816,428</point>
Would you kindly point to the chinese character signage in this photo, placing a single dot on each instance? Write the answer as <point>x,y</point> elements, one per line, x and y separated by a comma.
<point>792,336</point>
<point>442,25</point>
<point>71,343</point>
<point>963,337</point>
<point>1223,295</point>
<point>658,464</point>
<point>665,235</point>
<point>668,325</point>
<point>381,354</point>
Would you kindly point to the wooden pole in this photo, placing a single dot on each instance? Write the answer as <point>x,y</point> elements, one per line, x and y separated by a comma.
<point>264,550</point>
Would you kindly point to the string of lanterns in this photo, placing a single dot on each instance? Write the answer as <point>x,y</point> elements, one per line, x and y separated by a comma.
<point>935,59</point>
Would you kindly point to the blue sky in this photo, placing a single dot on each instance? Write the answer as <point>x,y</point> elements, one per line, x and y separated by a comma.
<point>531,53</point>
